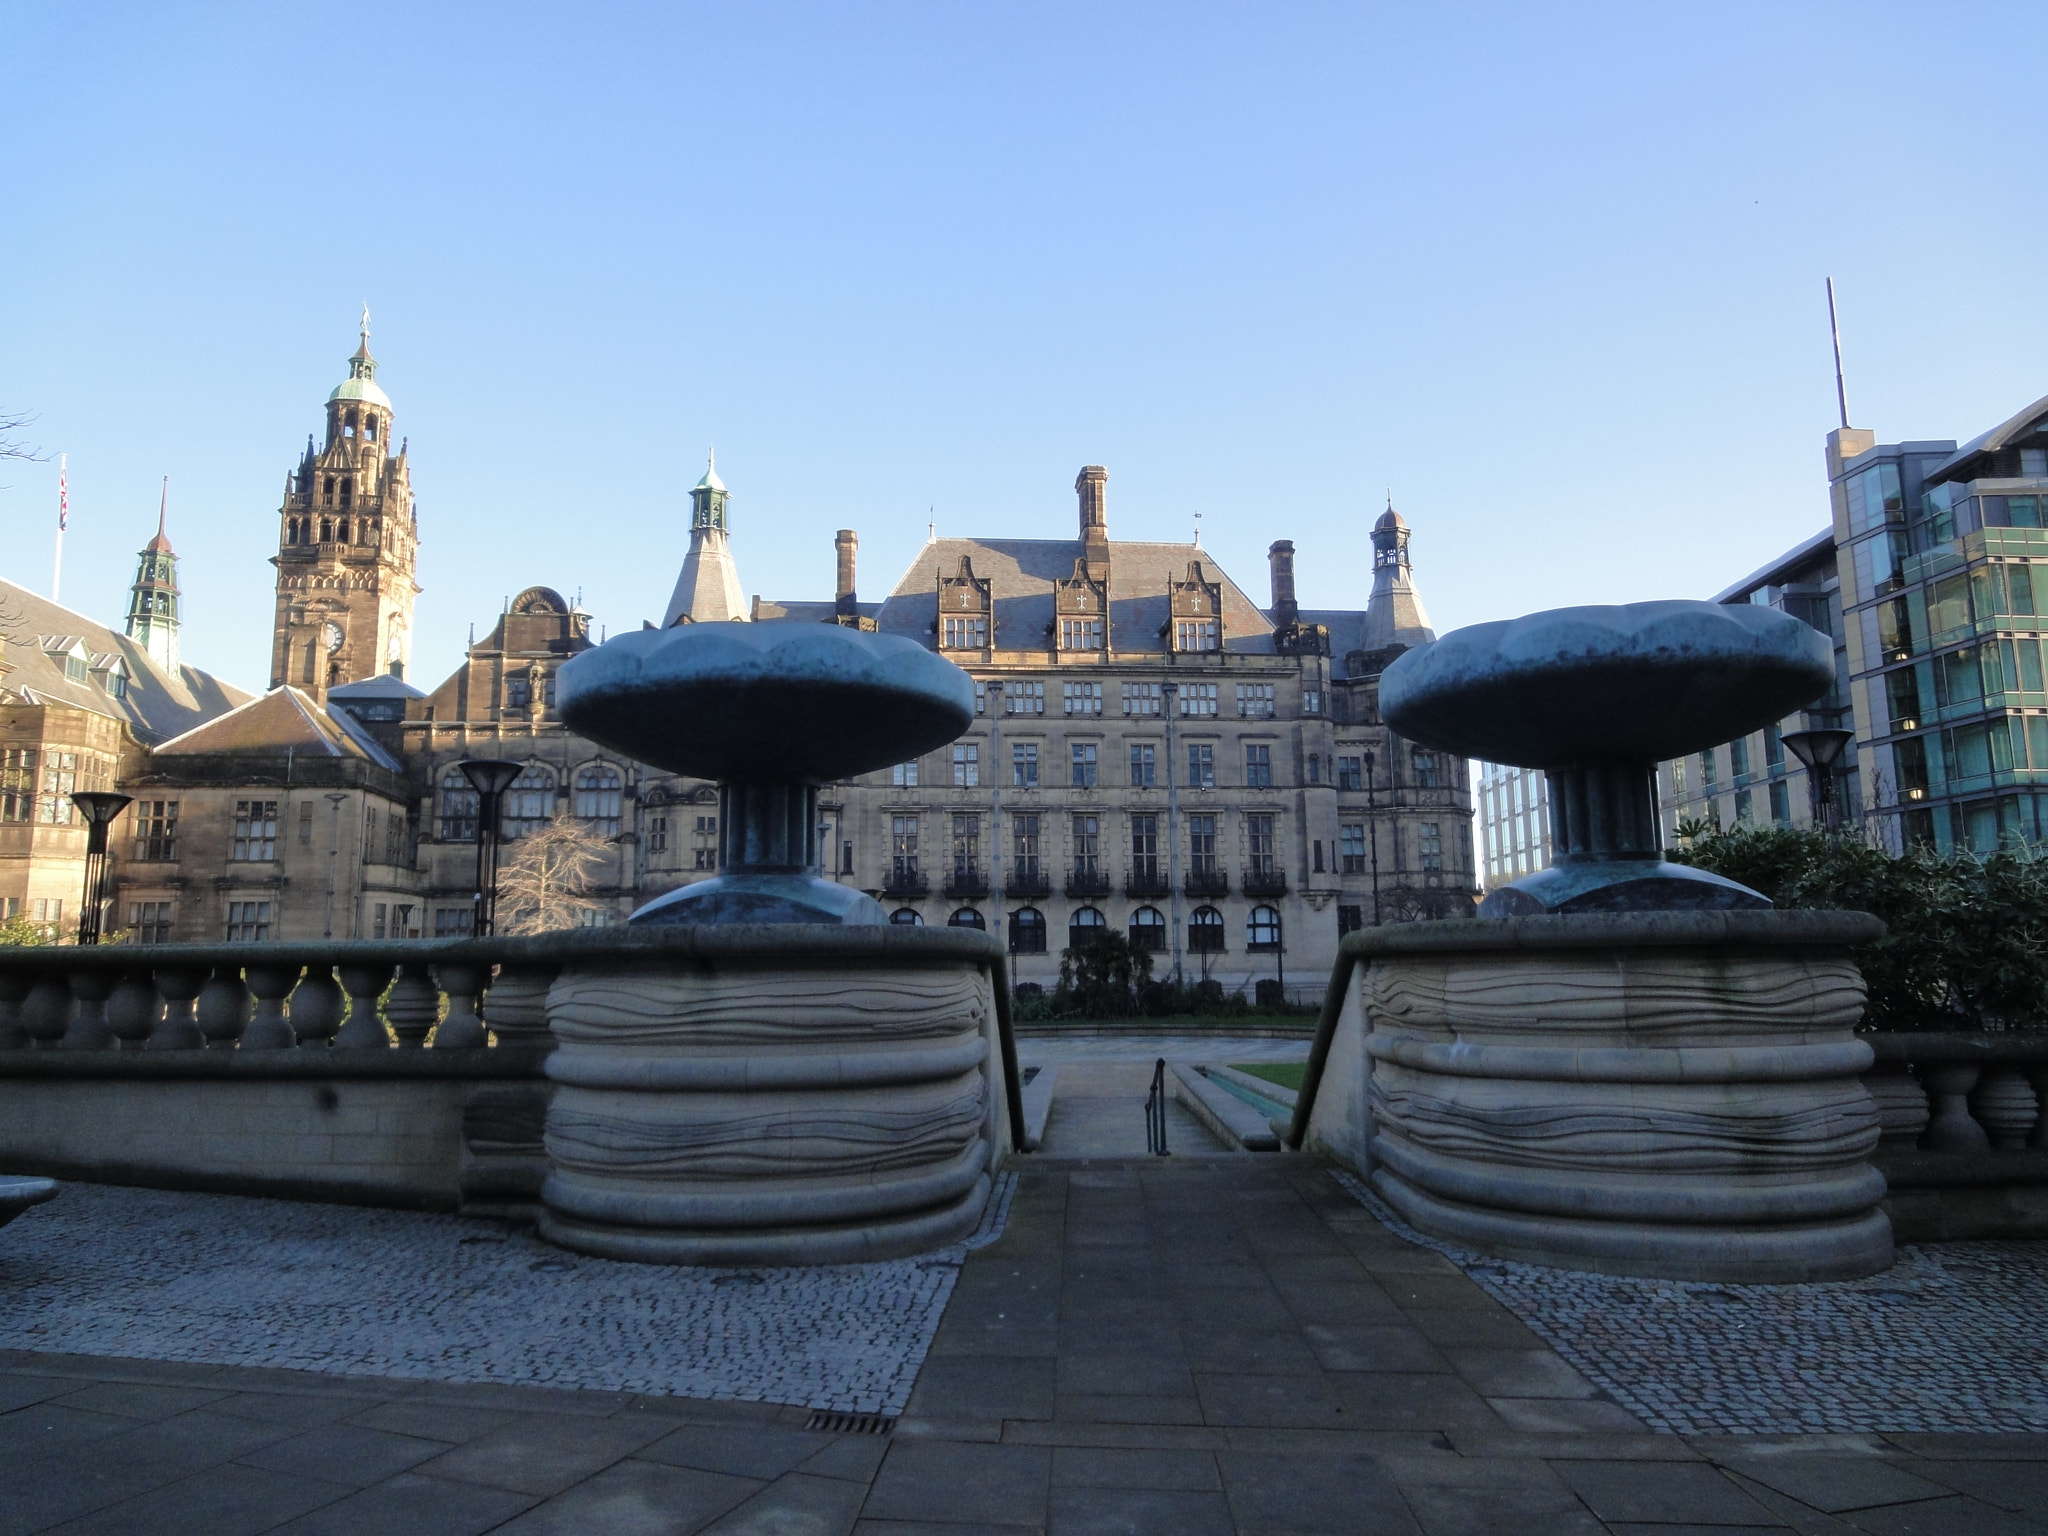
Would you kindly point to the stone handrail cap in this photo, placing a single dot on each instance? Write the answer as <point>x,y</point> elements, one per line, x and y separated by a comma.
<point>1637,682</point>
<point>774,702</point>
<point>1617,930</point>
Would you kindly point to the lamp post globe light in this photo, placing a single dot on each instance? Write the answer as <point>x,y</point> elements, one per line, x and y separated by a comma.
<point>1821,751</point>
<point>491,777</point>
<point>99,807</point>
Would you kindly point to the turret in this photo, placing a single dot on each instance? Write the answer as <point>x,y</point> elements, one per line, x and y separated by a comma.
<point>708,590</point>
<point>153,599</point>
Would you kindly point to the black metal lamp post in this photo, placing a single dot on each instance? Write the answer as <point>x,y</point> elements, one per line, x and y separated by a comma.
<point>491,777</point>
<point>99,807</point>
<point>1372,832</point>
<point>1820,751</point>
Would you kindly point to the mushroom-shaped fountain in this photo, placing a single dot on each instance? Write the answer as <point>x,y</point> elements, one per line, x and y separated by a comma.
<point>1639,1067</point>
<point>760,1070</point>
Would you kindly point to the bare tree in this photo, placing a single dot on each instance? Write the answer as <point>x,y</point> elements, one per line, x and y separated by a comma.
<point>544,880</point>
<point>11,446</point>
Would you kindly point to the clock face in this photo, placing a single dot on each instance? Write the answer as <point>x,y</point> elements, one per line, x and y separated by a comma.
<point>332,635</point>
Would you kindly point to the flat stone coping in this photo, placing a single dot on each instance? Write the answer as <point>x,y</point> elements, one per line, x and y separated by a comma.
<point>321,1064</point>
<point>2013,1047</point>
<point>1617,930</point>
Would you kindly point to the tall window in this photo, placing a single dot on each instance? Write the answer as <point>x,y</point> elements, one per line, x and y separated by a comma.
<point>1311,701</point>
<point>1023,698</point>
<point>1082,698</point>
<point>1145,847</point>
<point>967,632</point>
<point>1351,848</point>
<point>1024,764</point>
<point>1148,930</point>
<point>1709,770</point>
<point>1258,835</point>
<point>1202,844</point>
<point>966,847</point>
<point>1262,929</point>
<point>1258,765</point>
<point>1141,698</point>
<point>966,765</point>
<point>1144,766</point>
<point>1201,765</point>
<point>1430,845</point>
<point>1196,635</point>
<point>704,843</point>
<point>18,784</point>
<point>1027,931</point>
<point>255,837</point>
<point>1205,931</point>
<point>1083,764</point>
<point>156,831</point>
<point>305,821</point>
<point>1081,634</point>
<point>1255,700</point>
<point>396,850</point>
<point>529,805</point>
<point>904,775</point>
<point>60,779</point>
<point>1429,769</point>
<point>248,922</point>
<point>517,694</point>
<point>903,847</point>
<point>1024,829</point>
<point>1085,927</point>
<point>1198,698</point>
<point>1315,767</point>
<point>598,796</point>
<point>1738,757</point>
<point>657,834</point>
<point>1087,845</point>
<point>1350,773</point>
<point>1781,803</point>
<point>1349,920</point>
<point>453,922</point>
<point>458,808</point>
<point>151,921</point>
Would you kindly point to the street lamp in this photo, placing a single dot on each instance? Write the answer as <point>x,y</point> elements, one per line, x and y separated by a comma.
<point>1820,751</point>
<point>1372,832</point>
<point>99,807</point>
<point>491,777</point>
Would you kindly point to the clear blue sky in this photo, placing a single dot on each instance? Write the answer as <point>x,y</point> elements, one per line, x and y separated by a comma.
<point>1553,275</point>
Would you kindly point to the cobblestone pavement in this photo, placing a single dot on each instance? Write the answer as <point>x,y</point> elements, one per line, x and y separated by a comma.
<point>1950,1338</point>
<point>234,1281</point>
<point>1201,1347</point>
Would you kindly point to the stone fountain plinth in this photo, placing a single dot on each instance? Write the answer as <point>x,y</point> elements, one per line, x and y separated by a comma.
<point>813,1086</point>
<point>1640,1068</point>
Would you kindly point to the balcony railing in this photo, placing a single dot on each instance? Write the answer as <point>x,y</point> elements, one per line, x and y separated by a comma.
<point>1207,882</point>
<point>1083,883</point>
<point>967,883</point>
<point>1146,883</point>
<point>1027,884</point>
<point>909,884</point>
<point>1265,882</point>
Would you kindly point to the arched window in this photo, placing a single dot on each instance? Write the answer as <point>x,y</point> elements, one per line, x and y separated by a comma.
<point>327,495</point>
<point>529,804</point>
<point>458,808</point>
<point>326,529</point>
<point>347,490</point>
<point>906,917</point>
<point>1148,930</point>
<point>1085,926</point>
<point>291,530</point>
<point>1027,931</point>
<point>597,797</point>
<point>348,428</point>
<point>341,528</point>
<point>1205,931</point>
<point>1262,928</point>
<point>370,425</point>
<point>967,917</point>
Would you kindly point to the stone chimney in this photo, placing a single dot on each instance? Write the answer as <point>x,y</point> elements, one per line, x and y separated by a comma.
<point>1092,486</point>
<point>1281,558</point>
<point>845,605</point>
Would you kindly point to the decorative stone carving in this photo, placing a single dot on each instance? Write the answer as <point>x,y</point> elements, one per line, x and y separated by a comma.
<point>2004,1104</point>
<point>1670,1094</point>
<point>1902,1109</point>
<point>516,1007</point>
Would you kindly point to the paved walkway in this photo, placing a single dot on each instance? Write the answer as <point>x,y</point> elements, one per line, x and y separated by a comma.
<point>1195,1345</point>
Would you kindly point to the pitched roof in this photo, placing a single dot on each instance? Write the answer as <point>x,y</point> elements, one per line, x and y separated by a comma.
<point>155,703</point>
<point>283,718</point>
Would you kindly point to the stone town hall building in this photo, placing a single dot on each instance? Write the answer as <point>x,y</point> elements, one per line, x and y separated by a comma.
<point>1152,750</point>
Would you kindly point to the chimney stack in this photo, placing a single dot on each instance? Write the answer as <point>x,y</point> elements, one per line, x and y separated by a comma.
<point>1092,486</point>
<point>1285,610</point>
<point>845,604</point>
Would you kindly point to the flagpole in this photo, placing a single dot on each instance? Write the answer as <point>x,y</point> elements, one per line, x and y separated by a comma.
<point>63,515</point>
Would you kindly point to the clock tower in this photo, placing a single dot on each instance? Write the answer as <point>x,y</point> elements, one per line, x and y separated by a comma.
<point>347,545</point>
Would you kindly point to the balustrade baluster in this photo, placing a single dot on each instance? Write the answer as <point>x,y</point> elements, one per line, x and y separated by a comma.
<point>224,1008</point>
<point>1952,1128</point>
<point>272,983</point>
<point>133,1010</point>
<point>178,1031</point>
<point>516,1007</point>
<point>48,1010</point>
<point>365,983</point>
<point>2006,1107</point>
<point>463,1028</point>
<point>14,986</point>
<point>89,1029</point>
<point>1902,1111</point>
<point>316,1008</point>
<point>414,1005</point>
<point>2037,1074</point>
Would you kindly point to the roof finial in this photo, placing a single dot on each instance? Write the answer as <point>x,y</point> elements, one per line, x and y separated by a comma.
<point>931,527</point>
<point>1198,528</point>
<point>163,506</point>
<point>366,322</point>
<point>1390,498</point>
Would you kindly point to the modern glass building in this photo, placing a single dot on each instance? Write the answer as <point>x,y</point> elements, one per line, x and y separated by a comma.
<point>1513,808</point>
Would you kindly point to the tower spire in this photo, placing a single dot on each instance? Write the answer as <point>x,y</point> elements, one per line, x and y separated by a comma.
<point>153,599</point>
<point>708,590</point>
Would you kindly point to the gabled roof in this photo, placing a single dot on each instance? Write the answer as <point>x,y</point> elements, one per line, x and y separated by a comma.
<point>155,704</point>
<point>283,718</point>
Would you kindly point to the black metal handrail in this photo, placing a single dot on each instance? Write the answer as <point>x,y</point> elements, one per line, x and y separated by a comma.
<point>968,883</point>
<point>1028,885</point>
<point>1087,882</point>
<point>1271,882</point>
<point>906,882</point>
<point>1155,1112</point>
<point>1208,883</point>
<point>1152,883</point>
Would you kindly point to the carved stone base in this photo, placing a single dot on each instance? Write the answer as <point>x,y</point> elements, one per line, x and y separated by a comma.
<point>765,1110</point>
<point>1672,1095</point>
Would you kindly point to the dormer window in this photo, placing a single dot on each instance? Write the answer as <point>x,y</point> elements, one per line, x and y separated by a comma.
<point>76,670</point>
